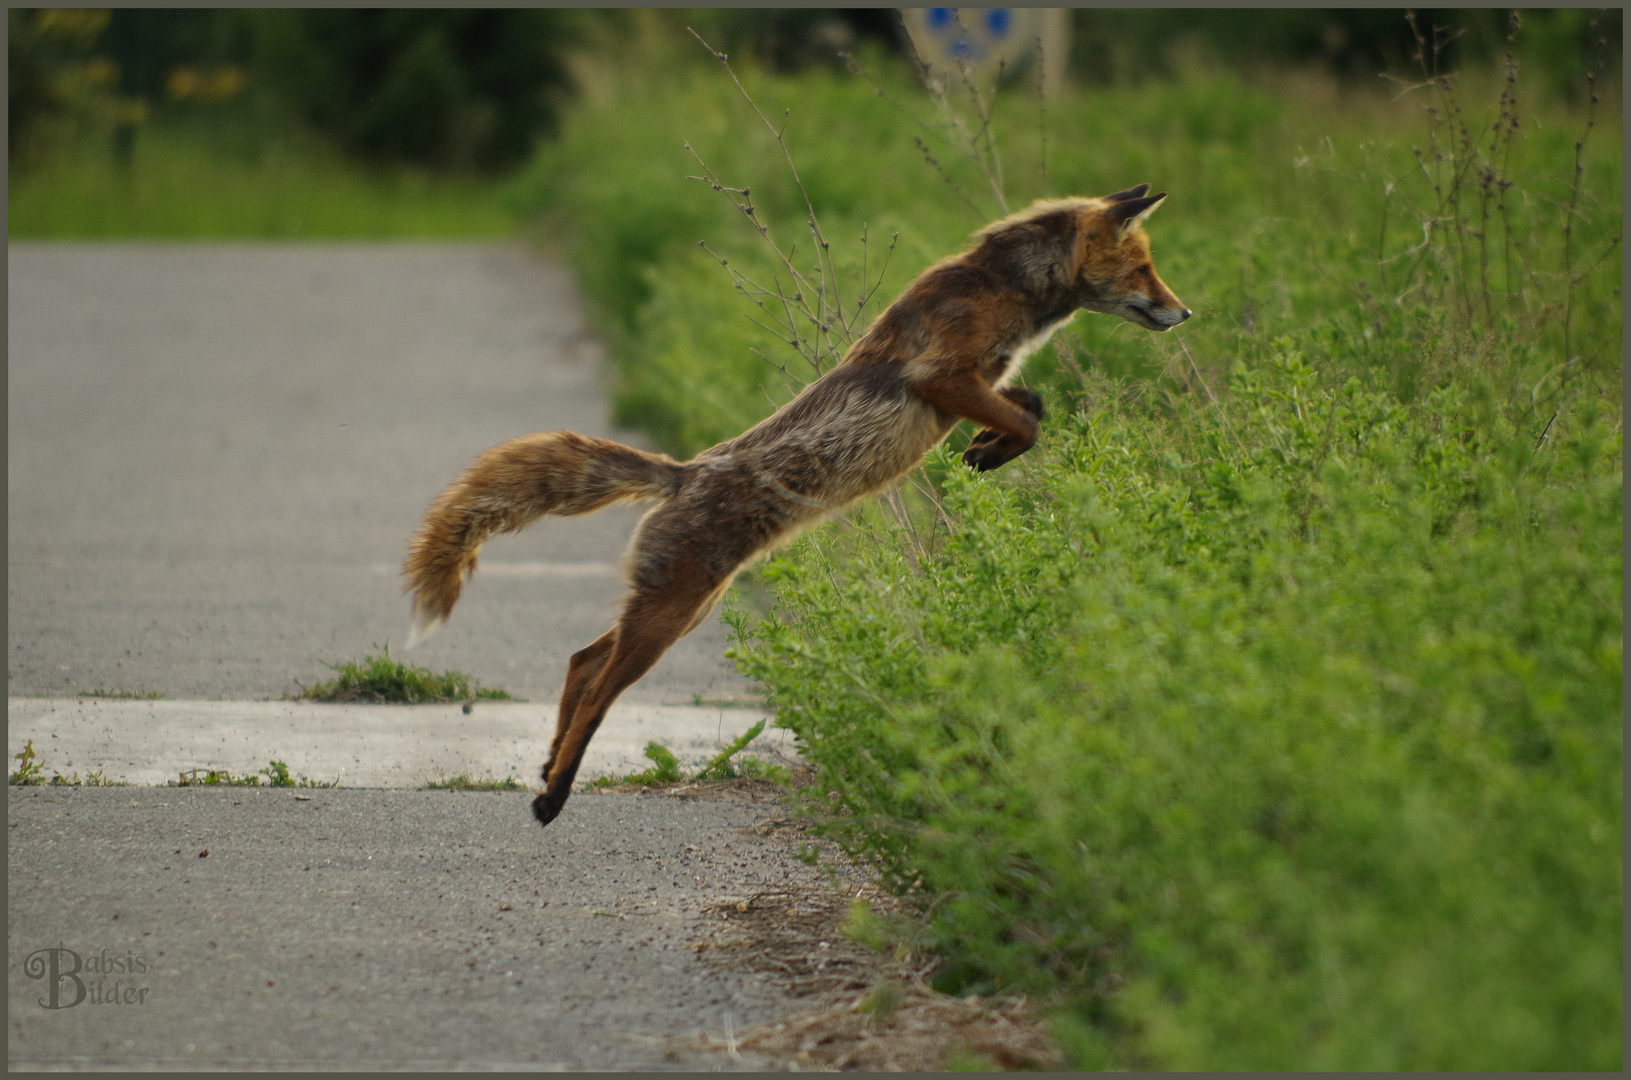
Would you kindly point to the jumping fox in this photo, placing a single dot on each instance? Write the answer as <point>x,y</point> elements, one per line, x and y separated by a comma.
<point>943,352</point>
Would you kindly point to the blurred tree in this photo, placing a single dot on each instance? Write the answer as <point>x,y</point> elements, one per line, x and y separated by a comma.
<point>1115,45</point>
<point>790,39</point>
<point>453,88</point>
<point>60,80</point>
<point>462,89</point>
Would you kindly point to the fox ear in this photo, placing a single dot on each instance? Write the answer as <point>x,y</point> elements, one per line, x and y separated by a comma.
<point>1132,212</point>
<point>1130,193</point>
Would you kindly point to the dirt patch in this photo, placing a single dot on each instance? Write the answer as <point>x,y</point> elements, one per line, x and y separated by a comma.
<point>862,1009</point>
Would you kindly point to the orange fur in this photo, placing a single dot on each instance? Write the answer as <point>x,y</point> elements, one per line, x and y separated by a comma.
<point>944,351</point>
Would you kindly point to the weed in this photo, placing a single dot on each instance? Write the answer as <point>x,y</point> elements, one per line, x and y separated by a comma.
<point>378,678</point>
<point>276,774</point>
<point>29,767</point>
<point>722,766</point>
<point>464,782</point>
<point>92,779</point>
<point>665,769</point>
<point>719,766</point>
<point>882,1000</point>
<point>30,772</point>
<point>864,927</point>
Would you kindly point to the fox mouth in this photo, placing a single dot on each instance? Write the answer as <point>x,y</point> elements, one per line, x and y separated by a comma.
<point>1159,320</point>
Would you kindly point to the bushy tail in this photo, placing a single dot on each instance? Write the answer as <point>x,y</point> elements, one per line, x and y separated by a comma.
<point>509,487</point>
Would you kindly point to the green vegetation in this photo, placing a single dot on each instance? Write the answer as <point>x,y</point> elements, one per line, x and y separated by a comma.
<point>190,182</point>
<point>31,772</point>
<point>1267,715</point>
<point>29,766</point>
<point>378,678</point>
<point>1288,215</point>
<point>1314,740</point>
<point>724,766</point>
<point>276,774</point>
<point>465,782</point>
<point>665,767</point>
<point>235,125</point>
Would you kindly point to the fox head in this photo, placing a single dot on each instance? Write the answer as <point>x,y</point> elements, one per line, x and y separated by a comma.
<point>1115,274</point>
<point>1091,254</point>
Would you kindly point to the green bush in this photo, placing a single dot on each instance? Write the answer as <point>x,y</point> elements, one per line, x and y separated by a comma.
<point>1265,716</point>
<point>1302,752</point>
<point>1286,214</point>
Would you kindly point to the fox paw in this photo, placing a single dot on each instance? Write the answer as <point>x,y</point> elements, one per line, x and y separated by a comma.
<point>547,807</point>
<point>983,454</point>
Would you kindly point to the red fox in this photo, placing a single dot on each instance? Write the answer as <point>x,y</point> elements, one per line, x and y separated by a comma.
<point>943,352</point>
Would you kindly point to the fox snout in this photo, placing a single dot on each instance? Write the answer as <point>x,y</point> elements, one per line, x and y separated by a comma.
<point>1159,318</point>
<point>1145,299</point>
<point>1159,312</point>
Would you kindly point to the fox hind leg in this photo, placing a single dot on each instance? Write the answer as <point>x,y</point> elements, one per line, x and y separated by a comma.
<point>581,672</point>
<point>652,620</point>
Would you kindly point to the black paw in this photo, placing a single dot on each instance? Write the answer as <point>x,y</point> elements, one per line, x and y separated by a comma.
<point>547,807</point>
<point>983,454</point>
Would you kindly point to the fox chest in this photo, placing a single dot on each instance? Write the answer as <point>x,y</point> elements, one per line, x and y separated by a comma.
<point>1006,362</point>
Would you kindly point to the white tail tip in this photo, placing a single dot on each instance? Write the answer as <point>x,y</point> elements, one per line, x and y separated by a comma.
<point>422,629</point>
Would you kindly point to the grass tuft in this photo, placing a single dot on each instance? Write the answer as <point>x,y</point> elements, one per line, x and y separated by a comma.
<point>465,782</point>
<point>276,774</point>
<point>380,679</point>
<point>724,765</point>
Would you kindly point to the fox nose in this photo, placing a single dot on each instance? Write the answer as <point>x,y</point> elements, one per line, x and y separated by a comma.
<point>1186,314</point>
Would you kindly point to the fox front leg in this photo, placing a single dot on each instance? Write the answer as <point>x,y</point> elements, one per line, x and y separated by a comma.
<point>990,447</point>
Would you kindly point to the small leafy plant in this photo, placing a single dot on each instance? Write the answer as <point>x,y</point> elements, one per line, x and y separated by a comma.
<point>276,774</point>
<point>465,782</point>
<point>30,772</point>
<point>722,766</point>
<point>29,767</point>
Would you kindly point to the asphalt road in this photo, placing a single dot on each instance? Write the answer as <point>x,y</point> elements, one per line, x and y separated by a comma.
<point>217,453</point>
<point>379,929</point>
<point>216,456</point>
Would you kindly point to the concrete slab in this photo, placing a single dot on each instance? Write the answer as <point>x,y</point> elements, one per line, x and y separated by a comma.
<point>363,746</point>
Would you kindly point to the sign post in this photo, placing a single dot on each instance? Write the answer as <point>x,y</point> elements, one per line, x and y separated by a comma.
<point>984,41</point>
